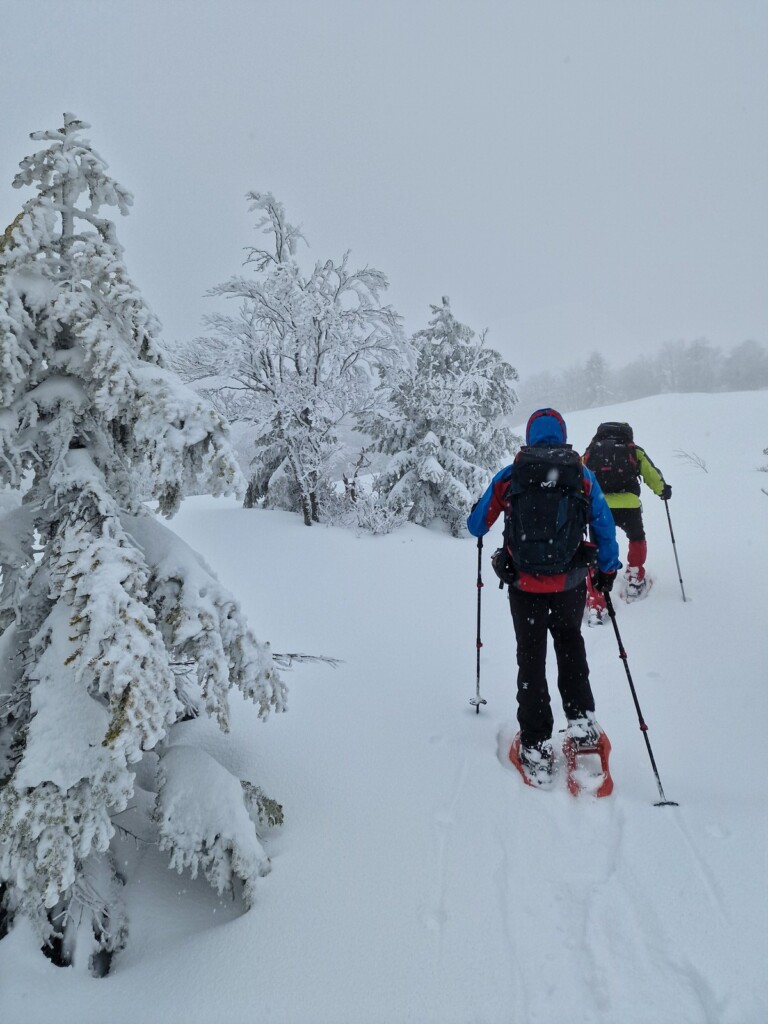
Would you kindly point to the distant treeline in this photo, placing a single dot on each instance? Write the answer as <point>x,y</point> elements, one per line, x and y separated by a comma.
<point>677,366</point>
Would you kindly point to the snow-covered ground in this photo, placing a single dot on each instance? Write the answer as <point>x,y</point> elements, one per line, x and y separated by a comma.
<point>416,879</point>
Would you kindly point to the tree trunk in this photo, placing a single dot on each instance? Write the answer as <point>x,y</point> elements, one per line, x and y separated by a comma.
<point>251,495</point>
<point>306,509</point>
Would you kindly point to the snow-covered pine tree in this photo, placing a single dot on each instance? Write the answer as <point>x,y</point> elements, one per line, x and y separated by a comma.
<point>443,425</point>
<point>295,362</point>
<point>113,630</point>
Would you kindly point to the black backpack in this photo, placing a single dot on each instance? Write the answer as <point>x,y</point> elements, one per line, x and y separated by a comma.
<point>546,511</point>
<point>612,457</point>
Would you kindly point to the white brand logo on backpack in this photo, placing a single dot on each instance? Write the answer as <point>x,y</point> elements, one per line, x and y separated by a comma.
<point>552,477</point>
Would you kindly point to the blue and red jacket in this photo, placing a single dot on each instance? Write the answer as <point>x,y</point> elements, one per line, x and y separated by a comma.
<point>546,427</point>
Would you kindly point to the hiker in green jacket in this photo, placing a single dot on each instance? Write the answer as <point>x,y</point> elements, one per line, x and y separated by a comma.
<point>619,464</point>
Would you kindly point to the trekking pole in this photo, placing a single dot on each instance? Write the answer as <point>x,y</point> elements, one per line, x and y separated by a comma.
<point>674,546</point>
<point>477,700</point>
<point>644,728</point>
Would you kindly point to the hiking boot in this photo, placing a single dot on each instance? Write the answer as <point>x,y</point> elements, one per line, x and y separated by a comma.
<point>538,762</point>
<point>584,731</point>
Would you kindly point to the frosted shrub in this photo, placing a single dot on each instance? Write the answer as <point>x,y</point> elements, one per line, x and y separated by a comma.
<point>366,512</point>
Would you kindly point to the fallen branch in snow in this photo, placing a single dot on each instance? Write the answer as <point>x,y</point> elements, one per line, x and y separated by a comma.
<point>692,457</point>
<point>125,832</point>
<point>287,660</point>
<point>182,668</point>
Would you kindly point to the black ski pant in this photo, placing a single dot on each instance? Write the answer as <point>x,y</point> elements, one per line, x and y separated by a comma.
<point>630,520</point>
<point>535,615</point>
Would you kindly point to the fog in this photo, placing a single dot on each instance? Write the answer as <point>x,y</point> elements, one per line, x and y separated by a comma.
<point>577,176</point>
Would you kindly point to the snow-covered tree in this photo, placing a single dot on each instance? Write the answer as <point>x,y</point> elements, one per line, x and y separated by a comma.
<point>295,362</point>
<point>746,367</point>
<point>596,381</point>
<point>113,630</point>
<point>677,366</point>
<point>546,388</point>
<point>443,426</point>
<point>702,366</point>
<point>638,379</point>
<point>671,361</point>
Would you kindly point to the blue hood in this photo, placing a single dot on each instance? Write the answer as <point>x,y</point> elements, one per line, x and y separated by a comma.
<point>546,426</point>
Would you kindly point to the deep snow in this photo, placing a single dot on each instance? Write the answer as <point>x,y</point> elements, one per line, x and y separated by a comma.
<point>416,879</point>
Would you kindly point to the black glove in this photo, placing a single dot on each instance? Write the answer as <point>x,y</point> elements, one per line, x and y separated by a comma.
<point>503,566</point>
<point>666,492</point>
<point>603,581</point>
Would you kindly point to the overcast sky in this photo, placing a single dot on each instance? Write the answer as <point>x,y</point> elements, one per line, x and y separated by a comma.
<point>575,175</point>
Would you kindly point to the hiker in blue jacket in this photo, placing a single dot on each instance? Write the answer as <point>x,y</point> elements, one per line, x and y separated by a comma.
<point>551,601</point>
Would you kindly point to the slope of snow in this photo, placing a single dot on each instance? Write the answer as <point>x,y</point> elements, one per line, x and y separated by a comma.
<point>416,879</point>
